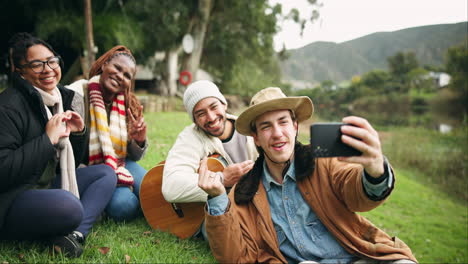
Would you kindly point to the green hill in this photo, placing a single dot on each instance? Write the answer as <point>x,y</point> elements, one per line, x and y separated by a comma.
<point>321,61</point>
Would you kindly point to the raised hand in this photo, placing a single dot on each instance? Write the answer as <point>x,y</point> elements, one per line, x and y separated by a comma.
<point>209,181</point>
<point>56,128</point>
<point>234,172</point>
<point>367,142</point>
<point>74,121</point>
<point>137,127</point>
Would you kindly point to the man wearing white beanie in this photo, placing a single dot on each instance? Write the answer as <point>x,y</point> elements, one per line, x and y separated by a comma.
<point>212,132</point>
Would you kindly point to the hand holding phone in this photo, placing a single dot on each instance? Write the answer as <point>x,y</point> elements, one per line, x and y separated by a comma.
<point>325,139</point>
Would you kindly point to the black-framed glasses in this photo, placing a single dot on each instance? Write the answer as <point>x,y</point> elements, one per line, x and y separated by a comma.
<point>37,66</point>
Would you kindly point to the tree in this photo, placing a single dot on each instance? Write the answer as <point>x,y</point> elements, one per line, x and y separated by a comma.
<point>17,16</point>
<point>419,80</point>
<point>62,24</point>
<point>457,66</point>
<point>239,46</point>
<point>165,23</point>
<point>232,37</point>
<point>376,80</point>
<point>199,29</point>
<point>402,63</point>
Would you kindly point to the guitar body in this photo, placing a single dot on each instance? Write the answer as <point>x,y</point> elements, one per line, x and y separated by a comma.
<point>180,219</point>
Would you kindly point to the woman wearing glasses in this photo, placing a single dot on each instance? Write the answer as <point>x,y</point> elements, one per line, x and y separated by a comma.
<point>42,194</point>
<point>113,112</point>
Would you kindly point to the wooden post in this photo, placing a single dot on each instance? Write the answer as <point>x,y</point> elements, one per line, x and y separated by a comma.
<point>89,35</point>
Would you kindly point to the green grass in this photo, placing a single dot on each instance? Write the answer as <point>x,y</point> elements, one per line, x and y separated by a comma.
<point>163,129</point>
<point>441,159</point>
<point>432,223</point>
<point>135,240</point>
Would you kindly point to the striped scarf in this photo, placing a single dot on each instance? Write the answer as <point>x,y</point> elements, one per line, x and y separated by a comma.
<point>108,141</point>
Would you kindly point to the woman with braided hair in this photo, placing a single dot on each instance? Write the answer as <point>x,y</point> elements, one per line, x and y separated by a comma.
<point>117,130</point>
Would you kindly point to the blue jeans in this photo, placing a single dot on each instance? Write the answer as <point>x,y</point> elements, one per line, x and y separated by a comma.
<point>42,213</point>
<point>125,204</point>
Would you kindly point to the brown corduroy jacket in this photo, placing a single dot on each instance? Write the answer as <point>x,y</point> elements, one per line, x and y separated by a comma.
<point>334,191</point>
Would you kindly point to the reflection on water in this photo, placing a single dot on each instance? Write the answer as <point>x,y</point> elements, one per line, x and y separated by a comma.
<point>444,128</point>
<point>398,115</point>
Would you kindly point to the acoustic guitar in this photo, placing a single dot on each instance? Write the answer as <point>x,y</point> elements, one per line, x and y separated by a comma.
<point>180,219</point>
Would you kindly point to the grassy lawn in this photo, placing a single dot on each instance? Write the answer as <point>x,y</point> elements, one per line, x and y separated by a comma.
<point>431,223</point>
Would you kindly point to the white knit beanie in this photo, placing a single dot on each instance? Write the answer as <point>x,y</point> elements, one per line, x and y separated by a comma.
<point>200,90</point>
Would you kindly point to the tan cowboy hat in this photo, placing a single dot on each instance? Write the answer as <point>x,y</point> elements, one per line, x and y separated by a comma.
<point>270,99</point>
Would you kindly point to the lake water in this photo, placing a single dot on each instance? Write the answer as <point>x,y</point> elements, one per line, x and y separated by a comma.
<point>398,116</point>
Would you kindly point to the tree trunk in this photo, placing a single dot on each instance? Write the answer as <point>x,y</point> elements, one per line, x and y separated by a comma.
<point>89,37</point>
<point>198,34</point>
<point>172,74</point>
<point>169,82</point>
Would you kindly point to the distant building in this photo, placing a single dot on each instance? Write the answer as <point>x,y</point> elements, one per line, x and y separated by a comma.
<point>145,79</point>
<point>297,85</point>
<point>441,79</point>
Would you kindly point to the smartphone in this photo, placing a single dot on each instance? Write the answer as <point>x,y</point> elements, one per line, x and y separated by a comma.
<point>325,139</point>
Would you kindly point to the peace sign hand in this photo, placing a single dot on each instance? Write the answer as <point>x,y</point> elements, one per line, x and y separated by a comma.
<point>137,127</point>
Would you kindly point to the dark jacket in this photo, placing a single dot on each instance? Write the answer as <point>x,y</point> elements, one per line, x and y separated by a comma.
<point>25,148</point>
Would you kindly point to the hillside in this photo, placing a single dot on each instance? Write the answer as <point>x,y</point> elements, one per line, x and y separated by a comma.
<point>321,61</point>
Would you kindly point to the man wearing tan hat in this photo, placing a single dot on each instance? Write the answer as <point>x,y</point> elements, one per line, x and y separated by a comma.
<point>212,132</point>
<point>293,207</point>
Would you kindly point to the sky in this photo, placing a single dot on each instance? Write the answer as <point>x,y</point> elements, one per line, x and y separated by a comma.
<point>343,20</point>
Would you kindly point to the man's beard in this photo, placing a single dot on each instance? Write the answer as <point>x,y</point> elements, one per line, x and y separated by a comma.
<point>219,133</point>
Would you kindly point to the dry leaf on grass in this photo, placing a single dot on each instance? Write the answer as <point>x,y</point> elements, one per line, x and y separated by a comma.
<point>147,233</point>
<point>104,250</point>
<point>57,249</point>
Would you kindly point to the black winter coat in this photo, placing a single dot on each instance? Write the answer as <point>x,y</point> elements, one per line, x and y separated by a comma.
<point>25,148</point>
